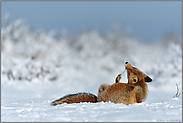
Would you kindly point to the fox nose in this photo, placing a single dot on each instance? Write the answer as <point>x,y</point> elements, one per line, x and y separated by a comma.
<point>126,65</point>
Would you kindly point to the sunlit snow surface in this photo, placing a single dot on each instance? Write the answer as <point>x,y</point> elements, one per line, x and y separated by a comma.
<point>37,68</point>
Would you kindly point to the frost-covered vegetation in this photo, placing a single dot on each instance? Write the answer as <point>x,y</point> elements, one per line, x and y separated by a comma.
<point>39,67</point>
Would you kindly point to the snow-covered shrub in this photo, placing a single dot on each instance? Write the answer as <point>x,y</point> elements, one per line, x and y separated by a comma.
<point>36,55</point>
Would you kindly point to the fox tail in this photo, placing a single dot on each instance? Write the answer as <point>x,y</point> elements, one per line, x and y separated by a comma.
<point>76,98</point>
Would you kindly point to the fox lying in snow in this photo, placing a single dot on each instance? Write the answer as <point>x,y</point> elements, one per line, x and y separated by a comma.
<point>133,92</point>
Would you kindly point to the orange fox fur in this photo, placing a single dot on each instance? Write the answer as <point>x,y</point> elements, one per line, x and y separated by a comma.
<point>133,92</point>
<point>75,98</point>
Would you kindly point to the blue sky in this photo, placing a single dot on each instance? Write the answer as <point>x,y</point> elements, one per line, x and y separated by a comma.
<point>148,20</point>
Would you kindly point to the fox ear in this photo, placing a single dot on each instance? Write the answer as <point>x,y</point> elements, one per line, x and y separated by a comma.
<point>148,79</point>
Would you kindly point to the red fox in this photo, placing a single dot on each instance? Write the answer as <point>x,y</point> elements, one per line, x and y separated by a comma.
<point>135,91</point>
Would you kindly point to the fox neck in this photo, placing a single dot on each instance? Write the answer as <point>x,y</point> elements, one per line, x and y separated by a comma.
<point>143,84</point>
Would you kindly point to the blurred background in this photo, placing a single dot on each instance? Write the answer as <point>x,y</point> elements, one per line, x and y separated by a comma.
<point>148,21</point>
<point>76,46</point>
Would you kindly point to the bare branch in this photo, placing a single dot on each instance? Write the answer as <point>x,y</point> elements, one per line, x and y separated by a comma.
<point>177,94</point>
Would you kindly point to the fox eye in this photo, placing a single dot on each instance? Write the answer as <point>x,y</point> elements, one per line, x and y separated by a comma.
<point>134,80</point>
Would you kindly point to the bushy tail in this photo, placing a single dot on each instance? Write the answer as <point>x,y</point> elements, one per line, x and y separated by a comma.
<point>76,98</point>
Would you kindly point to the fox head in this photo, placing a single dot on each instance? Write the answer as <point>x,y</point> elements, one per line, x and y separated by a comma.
<point>134,75</point>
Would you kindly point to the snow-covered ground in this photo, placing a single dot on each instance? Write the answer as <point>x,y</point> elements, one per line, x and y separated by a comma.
<point>37,68</point>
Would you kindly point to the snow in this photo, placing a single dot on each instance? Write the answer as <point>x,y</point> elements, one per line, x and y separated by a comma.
<point>38,68</point>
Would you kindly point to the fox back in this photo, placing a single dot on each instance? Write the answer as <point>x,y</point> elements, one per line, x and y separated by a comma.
<point>133,92</point>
